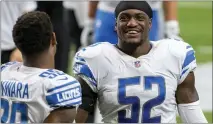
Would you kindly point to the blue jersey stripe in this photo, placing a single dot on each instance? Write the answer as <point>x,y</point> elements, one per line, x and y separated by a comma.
<point>61,86</point>
<point>71,104</point>
<point>93,83</point>
<point>184,72</point>
<point>64,96</point>
<point>190,56</point>
<point>83,69</point>
<point>53,101</point>
<point>80,59</point>
<point>187,47</point>
<point>3,66</point>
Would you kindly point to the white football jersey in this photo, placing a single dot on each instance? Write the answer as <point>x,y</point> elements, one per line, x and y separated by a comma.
<point>136,90</point>
<point>28,94</point>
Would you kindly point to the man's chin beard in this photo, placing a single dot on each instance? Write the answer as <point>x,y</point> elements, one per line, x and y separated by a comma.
<point>132,43</point>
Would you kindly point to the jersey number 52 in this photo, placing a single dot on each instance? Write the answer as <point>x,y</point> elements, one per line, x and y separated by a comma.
<point>135,101</point>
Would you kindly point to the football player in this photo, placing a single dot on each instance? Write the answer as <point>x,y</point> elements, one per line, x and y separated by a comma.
<point>138,80</point>
<point>33,91</point>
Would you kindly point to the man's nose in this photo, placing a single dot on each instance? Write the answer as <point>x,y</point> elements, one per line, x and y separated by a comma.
<point>132,23</point>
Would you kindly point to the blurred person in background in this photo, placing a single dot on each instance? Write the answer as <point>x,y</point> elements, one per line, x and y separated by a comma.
<point>75,14</point>
<point>10,11</point>
<point>55,10</point>
<point>102,21</point>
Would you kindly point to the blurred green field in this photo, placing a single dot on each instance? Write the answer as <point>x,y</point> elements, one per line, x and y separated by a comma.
<point>195,20</point>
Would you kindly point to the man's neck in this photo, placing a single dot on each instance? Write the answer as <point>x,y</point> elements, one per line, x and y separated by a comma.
<point>135,50</point>
<point>41,61</point>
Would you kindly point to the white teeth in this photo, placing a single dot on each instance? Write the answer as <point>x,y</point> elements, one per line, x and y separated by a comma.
<point>132,32</point>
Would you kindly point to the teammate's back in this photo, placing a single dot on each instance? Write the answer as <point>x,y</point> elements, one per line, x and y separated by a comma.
<point>30,94</point>
<point>33,91</point>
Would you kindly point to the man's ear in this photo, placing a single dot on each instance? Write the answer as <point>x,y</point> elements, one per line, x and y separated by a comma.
<point>53,39</point>
<point>150,24</point>
<point>115,27</point>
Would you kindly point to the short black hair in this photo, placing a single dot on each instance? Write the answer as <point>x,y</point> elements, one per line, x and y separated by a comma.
<point>139,5</point>
<point>32,33</point>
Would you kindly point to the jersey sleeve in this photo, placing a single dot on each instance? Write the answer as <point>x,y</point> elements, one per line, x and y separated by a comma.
<point>62,89</point>
<point>188,62</point>
<point>186,59</point>
<point>88,64</point>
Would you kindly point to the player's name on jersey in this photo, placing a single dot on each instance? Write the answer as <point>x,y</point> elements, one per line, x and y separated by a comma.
<point>14,89</point>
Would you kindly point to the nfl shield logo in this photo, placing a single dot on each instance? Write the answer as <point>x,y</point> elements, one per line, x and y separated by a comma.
<point>137,64</point>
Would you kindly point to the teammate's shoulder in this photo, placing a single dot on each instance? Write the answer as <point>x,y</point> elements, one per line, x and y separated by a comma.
<point>175,46</point>
<point>93,50</point>
<point>54,75</point>
<point>61,89</point>
<point>179,48</point>
<point>9,65</point>
<point>168,42</point>
<point>54,79</point>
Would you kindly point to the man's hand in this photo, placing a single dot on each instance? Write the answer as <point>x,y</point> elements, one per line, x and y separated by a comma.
<point>172,30</point>
<point>87,33</point>
<point>16,55</point>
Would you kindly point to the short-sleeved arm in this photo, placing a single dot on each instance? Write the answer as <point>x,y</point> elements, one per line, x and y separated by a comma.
<point>185,58</point>
<point>82,69</point>
<point>62,89</point>
<point>89,65</point>
<point>188,62</point>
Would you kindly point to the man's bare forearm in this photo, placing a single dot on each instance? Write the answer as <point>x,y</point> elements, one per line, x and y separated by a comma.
<point>81,116</point>
<point>92,9</point>
<point>170,10</point>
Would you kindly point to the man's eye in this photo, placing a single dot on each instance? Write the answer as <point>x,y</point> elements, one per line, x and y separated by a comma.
<point>140,18</point>
<point>124,18</point>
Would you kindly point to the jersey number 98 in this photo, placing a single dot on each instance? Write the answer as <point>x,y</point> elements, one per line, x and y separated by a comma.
<point>135,101</point>
<point>16,107</point>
